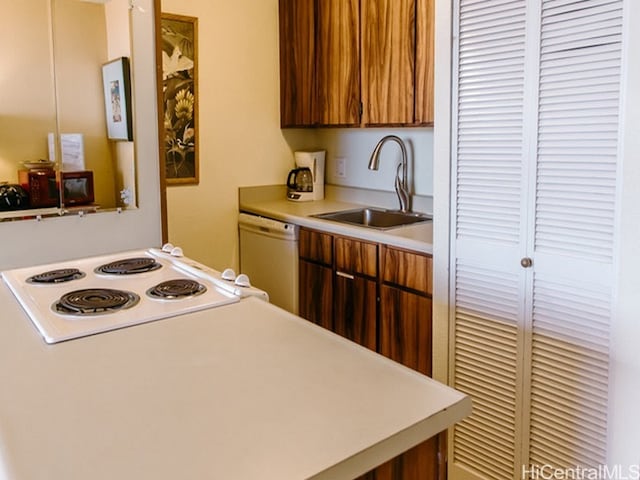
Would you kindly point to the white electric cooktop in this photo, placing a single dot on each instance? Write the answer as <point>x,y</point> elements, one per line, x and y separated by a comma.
<point>73,299</point>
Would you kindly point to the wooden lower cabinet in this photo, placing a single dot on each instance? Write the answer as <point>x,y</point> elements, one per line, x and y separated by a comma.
<point>316,293</point>
<point>419,463</point>
<point>355,306</point>
<point>380,297</point>
<point>405,336</point>
<point>405,328</point>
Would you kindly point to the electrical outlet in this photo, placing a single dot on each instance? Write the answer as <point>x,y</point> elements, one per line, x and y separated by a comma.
<point>341,167</point>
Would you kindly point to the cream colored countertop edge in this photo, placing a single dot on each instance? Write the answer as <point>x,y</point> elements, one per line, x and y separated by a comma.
<point>270,201</point>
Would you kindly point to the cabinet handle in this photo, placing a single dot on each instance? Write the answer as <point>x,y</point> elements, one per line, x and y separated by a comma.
<point>526,262</point>
<point>345,275</point>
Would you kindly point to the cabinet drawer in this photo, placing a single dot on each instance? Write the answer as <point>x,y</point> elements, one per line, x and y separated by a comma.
<point>354,256</point>
<point>315,246</point>
<point>407,269</point>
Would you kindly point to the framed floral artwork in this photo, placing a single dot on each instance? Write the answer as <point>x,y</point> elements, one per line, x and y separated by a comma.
<point>117,99</point>
<point>180,98</point>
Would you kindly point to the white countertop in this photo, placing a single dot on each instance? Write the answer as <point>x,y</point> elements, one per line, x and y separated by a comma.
<point>273,204</point>
<point>244,391</point>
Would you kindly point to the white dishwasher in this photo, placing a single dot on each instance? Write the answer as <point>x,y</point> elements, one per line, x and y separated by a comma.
<point>269,256</point>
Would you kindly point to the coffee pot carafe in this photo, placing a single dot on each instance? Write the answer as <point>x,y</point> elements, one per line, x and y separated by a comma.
<point>300,184</point>
<point>306,182</point>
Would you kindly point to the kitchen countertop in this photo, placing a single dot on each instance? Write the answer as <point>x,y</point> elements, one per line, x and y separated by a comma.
<point>270,201</point>
<point>245,391</point>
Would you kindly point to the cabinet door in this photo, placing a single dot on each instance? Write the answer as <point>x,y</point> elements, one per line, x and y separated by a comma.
<point>405,328</point>
<point>355,305</point>
<point>338,62</point>
<point>316,293</point>
<point>424,68</point>
<point>405,336</point>
<point>297,63</point>
<point>388,59</point>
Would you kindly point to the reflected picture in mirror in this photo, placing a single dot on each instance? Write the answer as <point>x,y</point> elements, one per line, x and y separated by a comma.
<point>117,99</point>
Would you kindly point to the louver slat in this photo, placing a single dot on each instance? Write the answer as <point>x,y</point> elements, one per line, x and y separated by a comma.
<point>490,95</point>
<point>577,159</point>
<point>485,368</point>
<point>569,378</point>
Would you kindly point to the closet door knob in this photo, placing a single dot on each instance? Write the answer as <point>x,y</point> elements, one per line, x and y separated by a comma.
<point>526,262</point>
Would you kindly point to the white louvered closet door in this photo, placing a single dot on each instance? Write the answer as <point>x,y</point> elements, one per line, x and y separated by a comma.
<point>535,144</point>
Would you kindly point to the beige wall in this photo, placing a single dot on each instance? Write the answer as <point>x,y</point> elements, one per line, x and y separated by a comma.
<point>240,139</point>
<point>27,108</point>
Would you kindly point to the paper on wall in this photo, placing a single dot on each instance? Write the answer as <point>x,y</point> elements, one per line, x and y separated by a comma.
<point>72,149</point>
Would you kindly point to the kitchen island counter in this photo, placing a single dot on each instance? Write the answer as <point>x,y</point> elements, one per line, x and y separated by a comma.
<point>244,391</point>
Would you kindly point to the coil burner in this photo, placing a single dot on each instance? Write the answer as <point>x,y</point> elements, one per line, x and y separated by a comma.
<point>129,266</point>
<point>176,289</point>
<point>57,276</point>
<point>93,301</point>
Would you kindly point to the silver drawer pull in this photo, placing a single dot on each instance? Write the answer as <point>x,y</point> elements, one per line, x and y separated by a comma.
<point>345,275</point>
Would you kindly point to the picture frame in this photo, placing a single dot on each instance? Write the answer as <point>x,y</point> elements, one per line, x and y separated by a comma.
<point>116,78</point>
<point>179,44</point>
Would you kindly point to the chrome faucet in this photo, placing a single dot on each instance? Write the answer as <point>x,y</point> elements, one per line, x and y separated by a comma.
<point>402,189</point>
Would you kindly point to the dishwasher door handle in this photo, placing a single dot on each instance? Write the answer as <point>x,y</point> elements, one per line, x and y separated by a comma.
<point>267,226</point>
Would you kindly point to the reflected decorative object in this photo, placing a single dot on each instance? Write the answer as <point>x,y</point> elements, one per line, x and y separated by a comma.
<point>117,99</point>
<point>179,87</point>
<point>13,197</point>
<point>38,164</point>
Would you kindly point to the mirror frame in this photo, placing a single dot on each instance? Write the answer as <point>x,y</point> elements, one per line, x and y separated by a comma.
<point>160,108</point>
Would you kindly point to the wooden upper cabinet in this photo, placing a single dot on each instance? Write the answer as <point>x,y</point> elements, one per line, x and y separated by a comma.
<point>356,62</point>
<point>388,58</point>
<point>297,63</point>
<point>425,29</point>
<point>338,62</point>
<point>397,62</point>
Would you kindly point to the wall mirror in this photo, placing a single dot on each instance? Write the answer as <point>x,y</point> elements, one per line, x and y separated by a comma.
<point>54,108</point>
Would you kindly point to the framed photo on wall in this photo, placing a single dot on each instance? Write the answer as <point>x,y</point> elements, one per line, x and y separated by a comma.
<point>117,99</point>
<point>180,98</point>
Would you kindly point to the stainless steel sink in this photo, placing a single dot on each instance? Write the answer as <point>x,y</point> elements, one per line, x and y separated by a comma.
<point>375,218</point>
